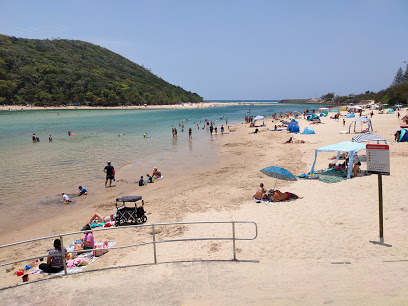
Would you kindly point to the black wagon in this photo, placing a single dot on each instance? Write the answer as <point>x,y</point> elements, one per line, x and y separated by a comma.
<point>130,214</point>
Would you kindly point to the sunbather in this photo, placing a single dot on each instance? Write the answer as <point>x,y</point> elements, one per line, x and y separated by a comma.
<point>101,218</point>
<point>261,192</point>
<point>283,196</point>
<point>289,141</point>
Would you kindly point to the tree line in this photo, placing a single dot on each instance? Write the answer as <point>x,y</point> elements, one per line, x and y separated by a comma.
<point>397,93</point>
<point>63,72</point>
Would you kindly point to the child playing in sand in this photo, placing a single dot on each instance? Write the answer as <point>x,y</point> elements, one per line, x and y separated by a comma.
<point>65,198</point>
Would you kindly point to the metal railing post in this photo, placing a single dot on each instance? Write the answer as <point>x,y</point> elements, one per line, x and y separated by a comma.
<point>233,239</point>
<point>63,255</point>
<point>154,244</point>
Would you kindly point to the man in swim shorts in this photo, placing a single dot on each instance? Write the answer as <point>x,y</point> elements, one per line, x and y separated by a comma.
<point>109,173</point>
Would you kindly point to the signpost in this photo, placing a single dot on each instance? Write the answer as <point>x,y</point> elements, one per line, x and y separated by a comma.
<point>378,162</point>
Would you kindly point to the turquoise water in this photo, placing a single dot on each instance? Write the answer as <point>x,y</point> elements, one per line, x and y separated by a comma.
<point>38,171</point>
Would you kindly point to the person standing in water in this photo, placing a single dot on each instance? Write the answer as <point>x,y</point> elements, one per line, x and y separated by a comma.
<point>50,138</point>
<point>69,133</point>
<point>189,132</point>
<point>34,138</point>
<point>109,170</point>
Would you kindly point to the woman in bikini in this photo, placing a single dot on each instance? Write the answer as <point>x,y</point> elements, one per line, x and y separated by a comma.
<point>283,196</point>
<point>101,218</point>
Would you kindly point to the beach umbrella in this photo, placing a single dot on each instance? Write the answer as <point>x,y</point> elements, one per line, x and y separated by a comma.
<point>278,173</point>
<point>335,111</point>
<point>313,108</point>
<point>309,114</point>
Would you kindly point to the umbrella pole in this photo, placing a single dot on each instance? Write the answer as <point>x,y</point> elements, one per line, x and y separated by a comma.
<point>274,187</point>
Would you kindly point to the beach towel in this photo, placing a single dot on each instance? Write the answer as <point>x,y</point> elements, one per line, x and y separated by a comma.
<point>87,256</point>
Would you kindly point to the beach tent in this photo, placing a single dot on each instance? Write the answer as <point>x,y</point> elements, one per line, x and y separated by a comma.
<point>346,146</point>
<point>390,111</point>
<point>293,127</point>
<point>362,120</point>
<point>366,137</point>
<point>404,136</point>
<point>308,130</point>
<point>313,116</point>
<point>351,115</point>
<point>322,109</point>
<point>259,118</point>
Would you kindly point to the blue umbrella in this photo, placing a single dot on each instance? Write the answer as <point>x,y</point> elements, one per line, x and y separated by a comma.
<point>309,114</point>
<point>312,108</point>
<point>279,173</point>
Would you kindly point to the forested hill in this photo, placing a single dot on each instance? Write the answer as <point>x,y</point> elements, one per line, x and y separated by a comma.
<point>55,72</point>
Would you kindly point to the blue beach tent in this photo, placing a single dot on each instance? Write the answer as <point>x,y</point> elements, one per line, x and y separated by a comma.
<point>351,115</point>
<point>308,130</point>
<point>293,127</point>
<point>313,116</point>
<point>404,136</point>
<point>344,146</point>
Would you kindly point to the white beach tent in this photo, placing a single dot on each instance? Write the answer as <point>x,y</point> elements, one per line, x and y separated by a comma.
<point>362,120</point>
<point>259,118</point>
<point>366,137</point>
<point>346,146</point>
<point>322,109</point>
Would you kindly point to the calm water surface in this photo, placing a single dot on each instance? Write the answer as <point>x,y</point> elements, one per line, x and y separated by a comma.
<point>32,172</point>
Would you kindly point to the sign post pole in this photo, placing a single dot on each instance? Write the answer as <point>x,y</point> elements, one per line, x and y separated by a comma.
<point>380,202</point>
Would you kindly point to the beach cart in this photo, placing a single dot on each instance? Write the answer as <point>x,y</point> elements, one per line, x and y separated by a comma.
<point>130,214</point>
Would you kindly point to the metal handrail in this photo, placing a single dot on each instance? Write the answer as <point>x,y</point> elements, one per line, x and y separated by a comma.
<point>154,241</point>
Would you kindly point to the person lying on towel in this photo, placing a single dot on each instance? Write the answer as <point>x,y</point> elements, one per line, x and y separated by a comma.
<point>283,196</point>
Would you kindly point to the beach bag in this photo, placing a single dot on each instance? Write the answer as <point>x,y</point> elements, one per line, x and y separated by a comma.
<point>98,252</point>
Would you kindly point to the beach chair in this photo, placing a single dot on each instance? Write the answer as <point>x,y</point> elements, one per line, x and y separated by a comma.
<point>129,215</point>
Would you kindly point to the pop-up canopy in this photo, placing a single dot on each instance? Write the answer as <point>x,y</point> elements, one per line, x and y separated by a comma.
<point>259,118</point>
<point>346,146</point>
<point>362,120</point>
<point>366,137</point>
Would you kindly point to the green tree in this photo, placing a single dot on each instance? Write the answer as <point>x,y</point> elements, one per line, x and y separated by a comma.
<point>399,77</point>
<point>328,97</point>
<point>405,76</point>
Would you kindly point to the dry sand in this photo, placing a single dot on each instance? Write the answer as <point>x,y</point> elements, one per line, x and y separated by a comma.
<point>315,250</point>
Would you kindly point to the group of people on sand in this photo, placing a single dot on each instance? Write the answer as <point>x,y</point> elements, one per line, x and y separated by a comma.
<point>150,178</point>
<point>273,195</point>
<point>344,166</point>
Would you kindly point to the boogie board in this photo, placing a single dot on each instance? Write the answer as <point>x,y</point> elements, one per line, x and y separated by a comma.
<point>72,134</point>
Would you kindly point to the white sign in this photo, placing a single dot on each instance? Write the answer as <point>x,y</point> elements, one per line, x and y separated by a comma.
<point>378,159</point>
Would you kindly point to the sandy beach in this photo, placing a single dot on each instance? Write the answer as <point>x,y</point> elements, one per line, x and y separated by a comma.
<point>314,250</point>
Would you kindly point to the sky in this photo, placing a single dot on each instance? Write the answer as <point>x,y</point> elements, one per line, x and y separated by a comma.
<point>246,50</point>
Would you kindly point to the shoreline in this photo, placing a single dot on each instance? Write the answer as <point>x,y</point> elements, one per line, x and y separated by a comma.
<point>6,107</point>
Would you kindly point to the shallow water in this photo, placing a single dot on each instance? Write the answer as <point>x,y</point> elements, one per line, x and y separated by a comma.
<point>33,174</point>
